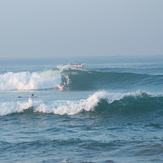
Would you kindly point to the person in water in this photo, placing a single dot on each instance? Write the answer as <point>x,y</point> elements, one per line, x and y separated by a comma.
<point>32,95</point>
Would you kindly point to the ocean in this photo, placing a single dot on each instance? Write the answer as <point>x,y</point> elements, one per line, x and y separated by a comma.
<point>111,110</point>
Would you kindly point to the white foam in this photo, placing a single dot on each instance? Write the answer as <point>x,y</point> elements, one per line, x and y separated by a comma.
<point>28,81</point>
<point>62,107</point>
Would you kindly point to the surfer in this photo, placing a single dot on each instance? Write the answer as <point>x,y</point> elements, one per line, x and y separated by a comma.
<point>64,84</point>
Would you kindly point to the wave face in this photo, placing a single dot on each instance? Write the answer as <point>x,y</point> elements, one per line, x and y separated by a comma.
<point>100,102</point>
<point>94,80</point>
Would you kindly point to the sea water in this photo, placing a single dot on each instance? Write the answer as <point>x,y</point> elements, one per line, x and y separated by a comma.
<point>111,110</point>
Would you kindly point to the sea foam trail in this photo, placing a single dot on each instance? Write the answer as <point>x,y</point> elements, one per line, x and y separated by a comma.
<point>62,107</point>
<point>28,81</point>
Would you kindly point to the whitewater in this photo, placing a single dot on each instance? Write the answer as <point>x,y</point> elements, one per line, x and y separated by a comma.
<point>111,110</point>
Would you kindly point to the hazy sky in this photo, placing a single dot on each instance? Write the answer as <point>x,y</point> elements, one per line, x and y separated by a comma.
<point>40,28</point>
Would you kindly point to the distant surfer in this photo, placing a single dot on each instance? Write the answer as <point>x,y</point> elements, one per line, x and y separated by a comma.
<point>32,96</point>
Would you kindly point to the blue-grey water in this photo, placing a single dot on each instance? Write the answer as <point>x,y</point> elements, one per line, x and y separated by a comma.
<point>110,111</point>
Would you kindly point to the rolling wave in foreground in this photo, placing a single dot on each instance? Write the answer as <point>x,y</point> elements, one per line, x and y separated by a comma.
<point>100,102</point>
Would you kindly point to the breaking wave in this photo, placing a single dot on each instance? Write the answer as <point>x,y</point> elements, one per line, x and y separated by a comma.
<point>99,102</point>
<point>79,80</point>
